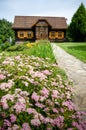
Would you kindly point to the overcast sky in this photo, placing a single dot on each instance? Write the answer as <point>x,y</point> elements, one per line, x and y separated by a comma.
<point>62,8</point>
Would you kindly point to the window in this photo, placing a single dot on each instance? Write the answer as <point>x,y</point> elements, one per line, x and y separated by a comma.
<point>52,35</point>
<point>29,34</point>
<point>21,34</point>
<point>60,35</point>
<point>25,34</point>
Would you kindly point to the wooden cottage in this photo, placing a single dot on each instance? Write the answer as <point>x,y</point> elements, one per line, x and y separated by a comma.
<point>31,28</point>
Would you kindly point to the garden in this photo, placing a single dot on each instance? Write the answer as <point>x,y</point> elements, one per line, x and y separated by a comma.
<point>34,92</point>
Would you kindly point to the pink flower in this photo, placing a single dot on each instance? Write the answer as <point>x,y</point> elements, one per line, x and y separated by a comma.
<point>6,86</point>
<point>39,75</point>
<point>55,93</point>
<point>62,110</point>
<point>59,121</point>
<point>5,62</point>
<point>19,107</point>
<point>46,72</point>
<point>48,120</point>
<point>68,95</point>
<point>78,126</point>
<point>17,57</point>
<point>49,102</point>
<point>25,126</point>
<point>7,122</point>
<point>12,118</point>
<point>15,127</point>
<point>5,105</point>
<point>24,93</point>
<point>35,122</point>
<point>35,97</point>
<point>54,83</point>
<point>2,77</point>
<point>31,111</point>
<point>45,92</point>
<point>55,110</point>
<point>74,123</point>
<point>3,115</point>
<point>41,117</point>
<point>40,105</point>
<point>69,104</point>
<point>73,117</point>
<point>42,98</point>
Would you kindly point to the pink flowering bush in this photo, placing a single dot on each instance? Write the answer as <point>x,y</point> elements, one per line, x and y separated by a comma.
<point>35,95</point>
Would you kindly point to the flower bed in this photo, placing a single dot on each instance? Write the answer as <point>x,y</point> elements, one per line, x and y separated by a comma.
<point>34,96</point>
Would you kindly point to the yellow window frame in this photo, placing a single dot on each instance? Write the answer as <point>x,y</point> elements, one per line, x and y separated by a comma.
<point>31,34</point>
<point>50,35</point>
<point>60,35</point>
<point>19,34</point>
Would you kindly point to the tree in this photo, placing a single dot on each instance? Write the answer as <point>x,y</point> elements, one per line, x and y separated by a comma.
<point>5,30</point>
<point>77,27</point>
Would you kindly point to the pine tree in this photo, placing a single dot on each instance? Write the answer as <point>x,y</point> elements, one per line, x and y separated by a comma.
<point>77,27</point>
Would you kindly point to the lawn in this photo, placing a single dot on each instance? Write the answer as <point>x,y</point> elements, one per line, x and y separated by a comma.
<point>34,92</point>
<point>76,49</point>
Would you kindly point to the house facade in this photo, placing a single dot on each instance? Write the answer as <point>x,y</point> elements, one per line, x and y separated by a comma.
<point>31,28</point>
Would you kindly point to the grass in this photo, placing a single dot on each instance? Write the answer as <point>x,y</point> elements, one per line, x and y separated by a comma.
<point>76,49</point>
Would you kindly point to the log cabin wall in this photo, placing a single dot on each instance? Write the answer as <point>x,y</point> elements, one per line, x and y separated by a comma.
<point>57,35</point>
<point>40,33</point>
<point>25,35</point>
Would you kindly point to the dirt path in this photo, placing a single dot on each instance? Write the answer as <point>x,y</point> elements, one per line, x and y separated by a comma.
<point>76,71</point>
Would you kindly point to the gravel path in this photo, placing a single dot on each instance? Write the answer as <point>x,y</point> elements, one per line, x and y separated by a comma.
<point>76,71</point>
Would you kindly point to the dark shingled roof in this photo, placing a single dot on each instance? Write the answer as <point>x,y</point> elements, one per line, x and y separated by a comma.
<point>26,22</point>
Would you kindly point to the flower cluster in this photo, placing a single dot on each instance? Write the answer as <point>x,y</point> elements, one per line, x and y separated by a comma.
<point>34,96</point>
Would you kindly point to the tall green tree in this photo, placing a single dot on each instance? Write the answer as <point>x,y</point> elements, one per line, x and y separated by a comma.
<point>5,30</point>
<point>77,27</point>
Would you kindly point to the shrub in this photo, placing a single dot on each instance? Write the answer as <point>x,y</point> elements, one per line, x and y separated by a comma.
<point>1,42</point>
<point>17,47</point>
<point>5,45</point>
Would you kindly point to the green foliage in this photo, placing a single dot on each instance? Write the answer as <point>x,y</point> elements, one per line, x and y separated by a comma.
<point>42,49</point>
<point>6,30</point>
<point>1,41</point>
<point>77,27</point>
<point>5,45</point>
<point>17,47</point>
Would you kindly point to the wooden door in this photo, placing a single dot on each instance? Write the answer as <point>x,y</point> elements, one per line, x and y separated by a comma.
<point>41,30</point>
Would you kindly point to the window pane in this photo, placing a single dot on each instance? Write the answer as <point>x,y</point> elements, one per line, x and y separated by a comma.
<point>21,34</point>
<point>60,35</point>
<point>52,35</point>
<point>30,34</point>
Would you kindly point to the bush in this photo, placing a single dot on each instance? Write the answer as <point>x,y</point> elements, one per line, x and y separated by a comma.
<point>4,46</point>
<point>17,47</point>
<point>0,42</point>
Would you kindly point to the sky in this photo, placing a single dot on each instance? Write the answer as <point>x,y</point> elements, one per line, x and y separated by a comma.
<point>60,8</point>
